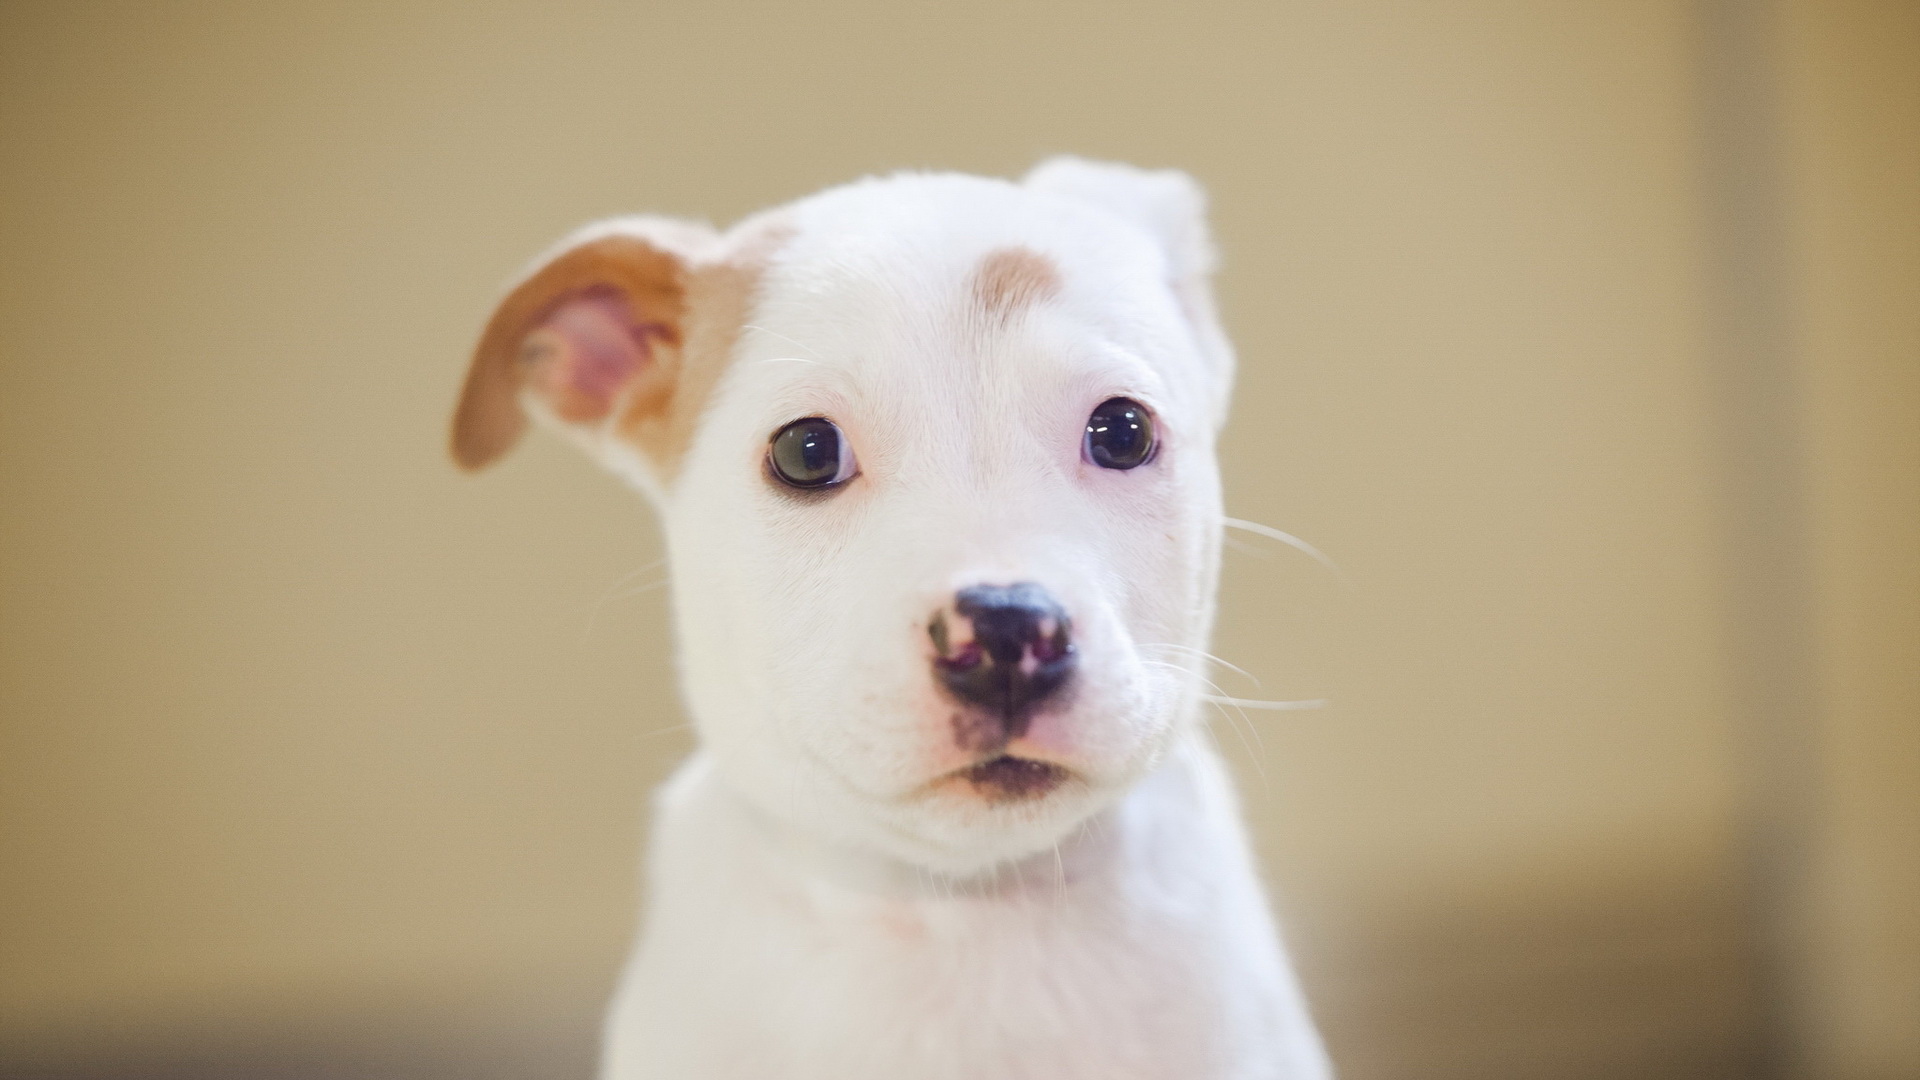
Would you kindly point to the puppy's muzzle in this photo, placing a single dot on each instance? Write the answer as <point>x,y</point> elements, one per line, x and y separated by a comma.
<point>1003,649</point>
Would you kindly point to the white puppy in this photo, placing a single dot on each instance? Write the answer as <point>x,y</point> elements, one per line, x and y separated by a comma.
<point>934,457</point>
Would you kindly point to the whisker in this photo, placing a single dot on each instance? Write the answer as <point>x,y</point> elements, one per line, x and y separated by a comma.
<point>634,573</point>
<point>1286,538</point>
<point>1219,701</point>
<point>613,593</point>
<point>639,590</point>
<point>593,617</point>
<point>1240,702</point>
<point>801,345</point>
<point>1258,755</point>
<point>1205,655</point>
<point>1270,706</point>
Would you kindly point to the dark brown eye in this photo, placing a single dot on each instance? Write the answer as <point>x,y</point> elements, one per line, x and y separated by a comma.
<point>1119,434</point>
<point>811,453</point>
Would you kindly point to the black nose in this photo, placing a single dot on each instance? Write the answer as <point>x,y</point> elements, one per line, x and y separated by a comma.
<point>1006,648</point>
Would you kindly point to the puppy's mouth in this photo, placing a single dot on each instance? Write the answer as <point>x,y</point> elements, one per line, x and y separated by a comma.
<point>1006,778</point>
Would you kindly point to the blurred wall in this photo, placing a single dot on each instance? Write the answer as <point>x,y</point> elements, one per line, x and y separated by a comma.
<point>1851,95</point>
<point>318,758</point>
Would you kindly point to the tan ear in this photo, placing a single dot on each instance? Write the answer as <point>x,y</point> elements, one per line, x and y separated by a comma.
<point>595,332</point>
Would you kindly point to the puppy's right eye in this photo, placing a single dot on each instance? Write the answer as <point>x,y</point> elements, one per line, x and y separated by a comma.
<point>811,453</point>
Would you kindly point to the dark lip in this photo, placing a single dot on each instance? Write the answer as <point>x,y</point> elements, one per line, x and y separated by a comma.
<point>1006,778</point>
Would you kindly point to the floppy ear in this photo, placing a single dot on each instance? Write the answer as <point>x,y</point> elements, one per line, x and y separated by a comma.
<point>592,339</point>
<point>1172,209</point>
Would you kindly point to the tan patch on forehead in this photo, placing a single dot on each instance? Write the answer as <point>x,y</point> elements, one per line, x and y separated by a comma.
<point>719,300</point>
<point>1011,279</point>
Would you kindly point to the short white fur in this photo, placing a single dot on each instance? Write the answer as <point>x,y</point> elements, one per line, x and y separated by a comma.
<point>821,904</point>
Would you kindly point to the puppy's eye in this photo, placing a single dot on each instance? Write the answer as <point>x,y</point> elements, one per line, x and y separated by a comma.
<point>811,453</point>
<point>1119,434</point>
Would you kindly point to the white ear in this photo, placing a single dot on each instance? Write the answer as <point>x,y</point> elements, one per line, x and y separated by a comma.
<point>1165,202</point>
<point>1172,209</point>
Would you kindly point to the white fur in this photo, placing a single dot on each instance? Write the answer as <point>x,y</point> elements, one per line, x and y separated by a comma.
<point>818,906</point>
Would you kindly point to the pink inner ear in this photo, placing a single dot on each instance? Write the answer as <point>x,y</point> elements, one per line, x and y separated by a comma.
<point>586,350</point>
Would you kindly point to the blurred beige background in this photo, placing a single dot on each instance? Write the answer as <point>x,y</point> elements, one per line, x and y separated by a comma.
<point>1585,336</point>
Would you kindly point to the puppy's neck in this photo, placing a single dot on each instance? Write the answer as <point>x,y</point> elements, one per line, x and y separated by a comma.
<point>804,856</point>
<point>1095,849</point>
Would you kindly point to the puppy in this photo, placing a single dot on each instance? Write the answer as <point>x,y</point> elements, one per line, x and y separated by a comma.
<point>934,458</point>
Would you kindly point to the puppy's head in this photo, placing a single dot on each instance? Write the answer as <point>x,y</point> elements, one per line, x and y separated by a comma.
<point>935,460</point>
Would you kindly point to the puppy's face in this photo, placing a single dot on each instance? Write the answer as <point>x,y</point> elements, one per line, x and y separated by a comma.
<point>934,456</point>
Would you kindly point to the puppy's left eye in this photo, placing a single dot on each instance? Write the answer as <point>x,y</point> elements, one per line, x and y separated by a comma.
<point>1119,434</point>
<point>811,453</point>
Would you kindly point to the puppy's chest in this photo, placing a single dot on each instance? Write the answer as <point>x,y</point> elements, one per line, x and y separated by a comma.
<point>1046,984</point>
<point>1152,961</point>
